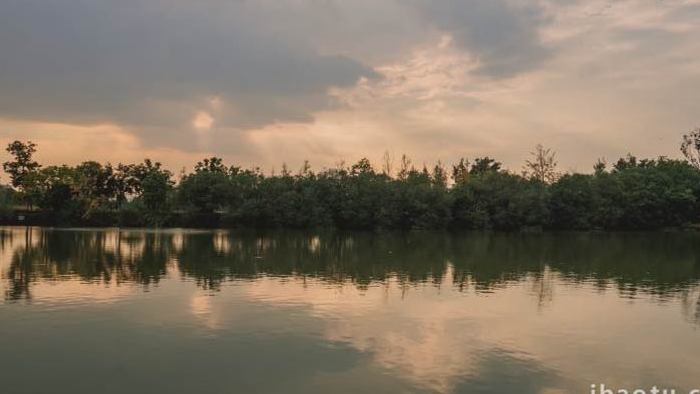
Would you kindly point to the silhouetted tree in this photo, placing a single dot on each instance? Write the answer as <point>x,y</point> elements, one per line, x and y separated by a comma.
<point>439,176</point>
<point>543,166</point>
<point>484,165</point>
<point>460,171</point>
<point>599,167</point>
<point>406,167</point>
<point>387,164</point>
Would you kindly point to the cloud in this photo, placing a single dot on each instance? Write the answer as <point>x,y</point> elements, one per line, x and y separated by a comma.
<point>156,64</point>
<point>501,34</point>
<point>266,81</point>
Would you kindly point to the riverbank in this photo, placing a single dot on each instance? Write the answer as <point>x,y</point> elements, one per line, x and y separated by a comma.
<point>182,220</point>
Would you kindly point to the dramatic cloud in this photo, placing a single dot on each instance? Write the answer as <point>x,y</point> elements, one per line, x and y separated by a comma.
<point>502,35</point>
<point>158,64</point>
<point>261,82</point>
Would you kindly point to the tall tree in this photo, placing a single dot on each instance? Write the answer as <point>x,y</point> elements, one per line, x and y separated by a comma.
<point>439,176</point>
<point>23,165</point>
<point>460,171</point>
<point>543,166</point>
<point>156,186</point>
<point>387,164</point>
<point>406,167</point>
<point>23,169</point>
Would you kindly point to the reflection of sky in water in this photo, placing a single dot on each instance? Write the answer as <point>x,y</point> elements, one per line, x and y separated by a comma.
<point>178,312</point>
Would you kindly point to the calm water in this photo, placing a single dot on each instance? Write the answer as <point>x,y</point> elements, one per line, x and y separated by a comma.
<point>86,311</point>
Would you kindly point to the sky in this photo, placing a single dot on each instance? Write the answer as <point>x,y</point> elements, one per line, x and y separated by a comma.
<point>266,82</point>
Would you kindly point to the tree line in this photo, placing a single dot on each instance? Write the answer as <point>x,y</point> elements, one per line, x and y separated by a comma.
<point>629,194</point>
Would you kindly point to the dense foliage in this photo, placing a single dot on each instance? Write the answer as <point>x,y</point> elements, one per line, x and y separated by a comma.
<point>632,194</point>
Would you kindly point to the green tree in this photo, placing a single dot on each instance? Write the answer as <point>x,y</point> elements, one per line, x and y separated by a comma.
<point>7,201</point>
<point>499,200</point>
<point>460,171</point>
<point>573,202</point>
<point>22,169</point>
<point>23,165</point>
<point>439,176</point>
<point>156,186</point>
<point>207,189</point>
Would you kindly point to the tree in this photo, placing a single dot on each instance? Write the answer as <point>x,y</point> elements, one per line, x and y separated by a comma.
<point>93,187</point>
<point>156,187</point>
<point>7,200</point>
<point>57,192</point>
<point>155,184</point>
<point>439,176</point>
<point>212,164</point>
<point>208,188</point>
<point>23,168</point>
<point>305,170</point>
<point>362,167</point>
<point>628,162</point>
<point>406,167</point>
<point>543,166</point>
<point>460,171</point>
<point>285,171</point>
<point>498,200</point>
<point>573,202</point>
<point>634,194</point>
<point>123,182</point>
<point>690,147</point>
<point>484,165</point>
<point>387,164</point>
<point>599,167</point>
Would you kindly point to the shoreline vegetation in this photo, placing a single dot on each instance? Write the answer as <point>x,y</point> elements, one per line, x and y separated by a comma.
<point>629,194</point>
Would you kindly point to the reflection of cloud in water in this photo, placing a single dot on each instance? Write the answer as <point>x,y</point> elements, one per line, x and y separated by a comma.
<point>77,293</point>
<point>503,372</point>
<point>441,313</point>
<point>444,340</point>
<point>202,309</point>
<point>429,339</point>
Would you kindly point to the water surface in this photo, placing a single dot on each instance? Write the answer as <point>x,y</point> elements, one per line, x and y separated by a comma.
<point>179,311</point>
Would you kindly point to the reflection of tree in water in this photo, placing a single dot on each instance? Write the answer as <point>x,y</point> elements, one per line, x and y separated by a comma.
<point>142,257</point>
<point>543,286</point>
<point>336,258</point>
<point>91,256</point>
<point>690,300</point>
<point>20,273</point>
<point>661,264</point>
